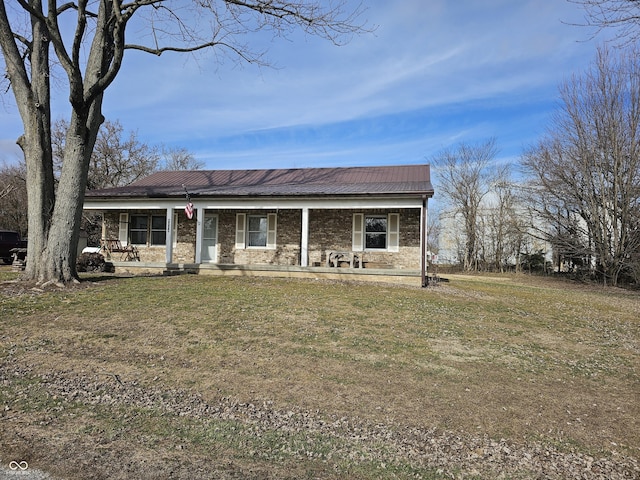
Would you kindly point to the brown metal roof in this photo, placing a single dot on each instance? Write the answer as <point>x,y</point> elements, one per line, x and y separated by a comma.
<point>389,180</point>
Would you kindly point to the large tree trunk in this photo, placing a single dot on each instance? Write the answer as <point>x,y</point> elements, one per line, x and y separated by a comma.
<point>34,102</point>
<point>59,256</point>
<point>40,198</point>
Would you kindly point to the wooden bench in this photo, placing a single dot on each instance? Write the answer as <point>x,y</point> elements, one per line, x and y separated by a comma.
<point>111,246</point>
<point>334,259</point>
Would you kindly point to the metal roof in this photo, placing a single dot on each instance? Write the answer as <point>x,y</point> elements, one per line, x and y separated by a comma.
<point>386,180</point>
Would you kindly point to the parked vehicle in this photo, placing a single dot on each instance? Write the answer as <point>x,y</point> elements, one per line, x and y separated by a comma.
<point>8,241</point>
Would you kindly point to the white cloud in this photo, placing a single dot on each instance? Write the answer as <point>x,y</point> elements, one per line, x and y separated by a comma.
<point>384,95</point>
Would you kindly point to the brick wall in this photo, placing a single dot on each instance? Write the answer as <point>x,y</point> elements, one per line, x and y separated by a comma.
<point>328,230</point>
<point>287,251</point>
<point>184,250</point>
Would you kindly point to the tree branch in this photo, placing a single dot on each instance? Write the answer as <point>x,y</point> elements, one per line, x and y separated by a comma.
<point>623,15</point>
<point>160,51</point>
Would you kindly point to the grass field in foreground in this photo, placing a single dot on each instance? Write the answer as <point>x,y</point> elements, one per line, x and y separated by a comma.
<point>523,359</point>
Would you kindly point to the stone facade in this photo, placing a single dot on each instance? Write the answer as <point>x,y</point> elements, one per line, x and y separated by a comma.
<point>329,230</point>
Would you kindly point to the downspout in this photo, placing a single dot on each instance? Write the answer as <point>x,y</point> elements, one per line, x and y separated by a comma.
<point>423,242</point>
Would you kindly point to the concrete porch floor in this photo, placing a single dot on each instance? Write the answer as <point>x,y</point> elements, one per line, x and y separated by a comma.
<point>404,277</point>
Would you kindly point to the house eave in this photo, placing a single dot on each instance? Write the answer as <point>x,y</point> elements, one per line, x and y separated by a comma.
<point>392,200</point>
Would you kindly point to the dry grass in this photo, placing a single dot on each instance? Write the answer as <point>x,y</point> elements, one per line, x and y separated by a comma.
<point>527,360</point>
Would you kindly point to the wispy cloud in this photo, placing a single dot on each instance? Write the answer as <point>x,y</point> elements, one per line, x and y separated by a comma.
<point>432,74</point>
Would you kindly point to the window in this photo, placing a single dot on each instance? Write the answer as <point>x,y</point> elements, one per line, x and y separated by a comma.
<point>145,227</point>
<point>138,229</point>
<point>158,229</point>
<point>257,230</point>
<point>375,232</point>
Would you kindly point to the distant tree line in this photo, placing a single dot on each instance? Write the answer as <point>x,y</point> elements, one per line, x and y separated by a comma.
<point>579,193</point>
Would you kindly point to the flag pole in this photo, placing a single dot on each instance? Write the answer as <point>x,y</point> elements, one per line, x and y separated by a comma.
<point>188,209</point>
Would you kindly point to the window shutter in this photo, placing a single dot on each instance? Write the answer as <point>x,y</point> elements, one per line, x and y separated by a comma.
<point>271,230</point>
<point>393,240</point>
<point>123,229</point>
<point>241,223</point>
<point>358,232</point>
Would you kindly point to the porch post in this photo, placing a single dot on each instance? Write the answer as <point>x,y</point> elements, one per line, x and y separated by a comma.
<point>423,242</point>
<point>199,233</point>
<point>169,236</point>
<point>304,244</point>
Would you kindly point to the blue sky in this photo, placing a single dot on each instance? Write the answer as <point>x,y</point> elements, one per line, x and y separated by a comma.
<point>434,73</point>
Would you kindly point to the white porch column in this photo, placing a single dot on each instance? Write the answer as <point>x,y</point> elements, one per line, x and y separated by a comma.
<point>304,244</point>
<point>199,233</point>
<point>169,236</point>
<point>423,242</point>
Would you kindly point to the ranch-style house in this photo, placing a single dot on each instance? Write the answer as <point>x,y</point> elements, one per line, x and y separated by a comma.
<point>319,222</point>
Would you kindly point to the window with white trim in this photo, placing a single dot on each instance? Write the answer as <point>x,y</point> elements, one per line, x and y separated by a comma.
<point>256,230</point>
<point>376,232</point>
<point>257,227</point>
<point>148,229</point>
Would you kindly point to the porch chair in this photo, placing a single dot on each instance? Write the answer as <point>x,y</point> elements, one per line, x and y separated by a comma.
<point>112,245</point>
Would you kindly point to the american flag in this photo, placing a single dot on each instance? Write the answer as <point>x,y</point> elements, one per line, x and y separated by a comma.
<point>188,210</point>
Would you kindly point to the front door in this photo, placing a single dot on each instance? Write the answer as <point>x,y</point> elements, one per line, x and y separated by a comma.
<point>210,238</point>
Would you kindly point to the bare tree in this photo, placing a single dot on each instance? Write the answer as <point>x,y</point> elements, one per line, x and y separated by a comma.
<point>13,197</point>
<point>179,158</point>
<point>117,159</point>
<point>464,178</point>
<point>6,190</point>
<point>621,15</point>
<point>503,223</point>
<point>34,38</point>
<point>586,170</point>
<point>433,231</point>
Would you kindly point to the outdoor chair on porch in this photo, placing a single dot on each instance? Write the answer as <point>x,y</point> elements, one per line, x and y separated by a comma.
<point>127,252</point>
